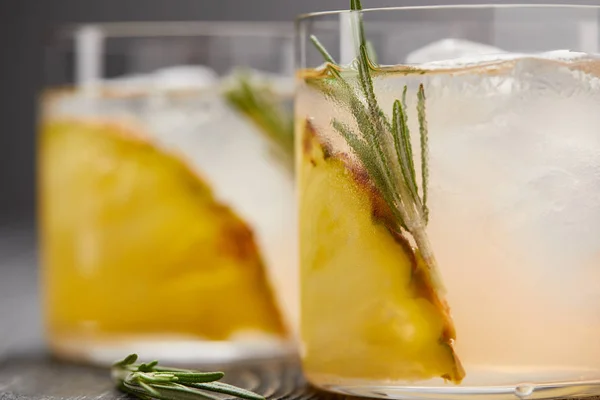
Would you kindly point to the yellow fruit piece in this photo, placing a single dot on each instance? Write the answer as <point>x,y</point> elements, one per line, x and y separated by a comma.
<point>134,242</point>
<point>368,311</point>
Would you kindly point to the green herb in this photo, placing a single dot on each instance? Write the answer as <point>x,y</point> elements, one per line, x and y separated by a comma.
<point>384,148</point>
<point>261,105</point>
<point>152,381</point>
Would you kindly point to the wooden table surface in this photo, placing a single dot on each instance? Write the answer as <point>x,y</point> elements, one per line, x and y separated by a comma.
<point>38,377</point>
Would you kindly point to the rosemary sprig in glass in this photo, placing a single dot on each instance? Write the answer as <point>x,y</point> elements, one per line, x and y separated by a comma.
<point>259,104</point>
<point>384,148</point>
<point>152,381</point>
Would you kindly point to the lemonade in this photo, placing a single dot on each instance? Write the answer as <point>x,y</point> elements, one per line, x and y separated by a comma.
<point>448,225</point>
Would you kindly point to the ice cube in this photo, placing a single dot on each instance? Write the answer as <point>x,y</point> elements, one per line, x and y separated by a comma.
<point>522,140</point>
<point>564,55</point>
<point>165,113</point>
<point>552,175</point>
<point>184,77</point>
<point>448,49</point>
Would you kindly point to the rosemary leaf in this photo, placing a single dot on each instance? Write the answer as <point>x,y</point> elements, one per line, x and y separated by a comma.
<point>371,52</point>
<point>224,388</point>
<point>322,49</point>
<point>136,392</point>
<point>374,112</point>
<point>404,149</point>
<point>198,377</point>
<point>148,367</point>
<point>130,359</point>
<point>176,391</point>
<point>367,87</point>
<point>149,377</point>
<point>159,368</point>
<point>355,143</point>
<point>424,149</point>
<point>151,391</point>
<point>362,150</point>
<point>259,104</point>
<point>411,161</point>
<point>413,176</point>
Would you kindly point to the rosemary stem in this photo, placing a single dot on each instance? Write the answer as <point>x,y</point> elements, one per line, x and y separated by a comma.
<point>424,245</point>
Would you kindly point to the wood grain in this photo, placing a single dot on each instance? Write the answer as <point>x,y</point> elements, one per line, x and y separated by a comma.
<point>42,378</point>
<point>29,378</point>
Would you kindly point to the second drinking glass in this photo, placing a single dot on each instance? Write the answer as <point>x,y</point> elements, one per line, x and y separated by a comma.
<point>165,183</point>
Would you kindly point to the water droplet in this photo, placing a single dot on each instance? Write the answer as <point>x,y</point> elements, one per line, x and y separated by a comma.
<point>524,390</point>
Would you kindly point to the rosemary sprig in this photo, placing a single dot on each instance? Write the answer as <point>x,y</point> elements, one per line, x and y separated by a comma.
<point>152,381</point>
<point>259,104</point>
<point>384,148</point>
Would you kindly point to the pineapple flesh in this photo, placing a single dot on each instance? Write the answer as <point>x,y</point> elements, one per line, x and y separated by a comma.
<point>368,310</point>
<point>135,243</point>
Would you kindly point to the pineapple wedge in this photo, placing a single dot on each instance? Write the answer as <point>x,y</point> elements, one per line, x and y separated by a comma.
<point>368,310</point>
<point>134,242</point>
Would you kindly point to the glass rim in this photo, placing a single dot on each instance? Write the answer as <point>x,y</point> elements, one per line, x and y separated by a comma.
<point>157,29</point>
<point>308,16</point>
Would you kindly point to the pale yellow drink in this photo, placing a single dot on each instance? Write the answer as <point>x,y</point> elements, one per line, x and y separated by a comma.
<point>514,210</point>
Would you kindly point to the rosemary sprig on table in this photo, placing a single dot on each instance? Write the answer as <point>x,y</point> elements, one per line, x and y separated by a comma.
<point>259,104</point>
<point>384,148</point>
<point>152,381</point>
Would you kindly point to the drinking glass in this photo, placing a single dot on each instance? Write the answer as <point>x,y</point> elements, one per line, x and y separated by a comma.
<point>449,188</point>
<point>166,191</point>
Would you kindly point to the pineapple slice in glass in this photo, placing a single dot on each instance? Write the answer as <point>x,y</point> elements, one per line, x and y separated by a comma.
<point>383,320</point>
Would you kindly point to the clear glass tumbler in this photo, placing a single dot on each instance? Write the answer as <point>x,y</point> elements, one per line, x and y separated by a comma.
<point>166,191</point>
<point>449,187</point>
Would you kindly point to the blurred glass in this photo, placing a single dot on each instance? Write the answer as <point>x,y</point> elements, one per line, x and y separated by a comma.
<point>165,191</point>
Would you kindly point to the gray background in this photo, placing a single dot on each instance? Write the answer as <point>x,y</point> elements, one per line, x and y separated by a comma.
<point>24,25</point>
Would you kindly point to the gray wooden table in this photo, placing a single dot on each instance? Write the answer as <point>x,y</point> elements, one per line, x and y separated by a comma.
<point>39,377</point>
<point>20,322</point>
